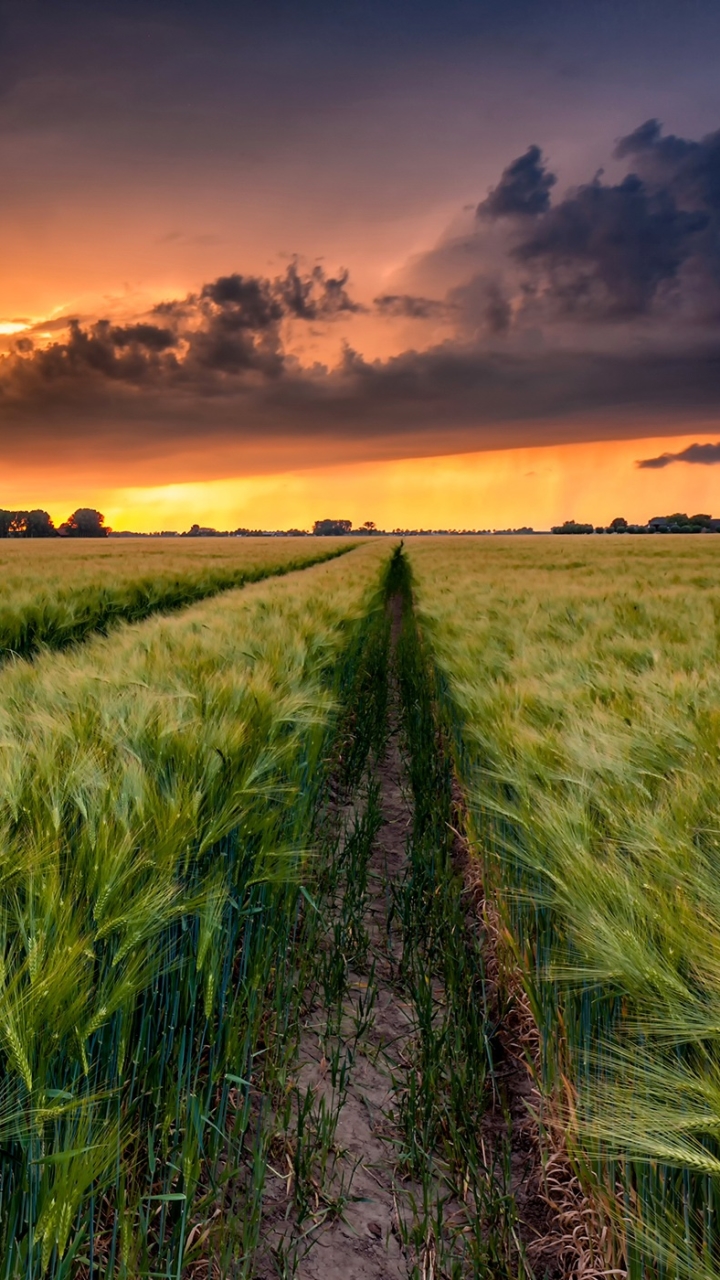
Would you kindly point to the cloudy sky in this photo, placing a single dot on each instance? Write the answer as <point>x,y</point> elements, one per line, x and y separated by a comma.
<point>429,263</point>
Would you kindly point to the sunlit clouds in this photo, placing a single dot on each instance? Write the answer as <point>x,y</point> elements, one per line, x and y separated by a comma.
<point>246,250</point>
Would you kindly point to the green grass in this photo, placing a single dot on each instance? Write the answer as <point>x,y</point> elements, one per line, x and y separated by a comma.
<point>467,1211</point>
<point>171,886</point>
<point>583,686</point>
<point>158,792</point>
<point>55,593</point>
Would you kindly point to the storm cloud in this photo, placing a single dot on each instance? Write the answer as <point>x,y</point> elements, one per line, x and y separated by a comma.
<point>643,247</point>
<point>409,306</point>
<point>607,251</point>
<point>593,313</point>
<point>523,190</point>
<point>231,327</point>
<point>707,455</point>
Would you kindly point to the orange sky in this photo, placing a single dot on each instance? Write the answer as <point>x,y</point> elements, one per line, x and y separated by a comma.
<point>508,488</point>
<point>153,153</point>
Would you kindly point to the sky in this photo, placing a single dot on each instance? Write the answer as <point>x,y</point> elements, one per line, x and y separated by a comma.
<point>434,265</point>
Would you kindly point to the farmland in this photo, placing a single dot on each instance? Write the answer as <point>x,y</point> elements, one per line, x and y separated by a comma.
<point>310,889</point>
<point>55,593</point>
<point>580,687</point>
<point>157,788</point>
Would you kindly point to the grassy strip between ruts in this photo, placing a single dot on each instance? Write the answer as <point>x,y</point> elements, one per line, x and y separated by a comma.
<point>583,687</point>
<point>394,1006</point>
<point>53,594</point>
<point>466,1221</point>
<point>157,798</point>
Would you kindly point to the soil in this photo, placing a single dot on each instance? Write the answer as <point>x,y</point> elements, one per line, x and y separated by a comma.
<point>355,1229</point>
<point>364,1242</point>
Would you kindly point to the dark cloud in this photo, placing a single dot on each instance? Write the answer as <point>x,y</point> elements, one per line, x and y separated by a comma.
<point>409,306</point>
<point>689,169</point>
<point>608,250</point>
<point>443,399</point>
<point>314,296</point>
<point>524,189</point>
<point>245,302</point>
<point>149,336</point>
<point>707,455</point>
<point>633,259</point>
<point>483,305</point>
<point>120,353</point>
<point>236,330</point>
<point>230,328</point>
<point>646,246</point>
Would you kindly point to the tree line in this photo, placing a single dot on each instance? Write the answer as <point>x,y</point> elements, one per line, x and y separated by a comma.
<point>83,523</point>
<point>679,522</point>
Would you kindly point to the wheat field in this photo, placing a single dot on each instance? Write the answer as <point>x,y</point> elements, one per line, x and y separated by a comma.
<point>54,592</point>
<point>156,795</point>
<point>583,685</point>
<point>165,792</point>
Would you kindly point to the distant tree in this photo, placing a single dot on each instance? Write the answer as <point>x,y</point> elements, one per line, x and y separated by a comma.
<point>84,523</point>
<point>10,522</point>
<point>618,524</point>
<point>331,528</point>
<point>369,525</point>
<point>39,525</point>
<point>572,526</point>
<point>703,521</point>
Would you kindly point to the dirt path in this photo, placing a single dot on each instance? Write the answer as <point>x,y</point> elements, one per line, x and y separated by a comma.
<point>353,1228</point>
<point>339,1201</point>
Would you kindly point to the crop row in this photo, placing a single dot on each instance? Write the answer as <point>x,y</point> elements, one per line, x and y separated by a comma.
<point>54,594</point>
<point>583,688</point>
<point>157,798</point>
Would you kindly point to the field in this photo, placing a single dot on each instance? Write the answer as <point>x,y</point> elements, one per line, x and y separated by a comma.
<point>364,919</point>
<point>581,686</point>
<point>54,593</point>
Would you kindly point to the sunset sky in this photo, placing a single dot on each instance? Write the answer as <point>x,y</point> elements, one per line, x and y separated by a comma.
<point>439,265</point>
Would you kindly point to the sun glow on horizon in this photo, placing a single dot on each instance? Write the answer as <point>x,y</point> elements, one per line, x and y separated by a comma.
<point>538,486</point>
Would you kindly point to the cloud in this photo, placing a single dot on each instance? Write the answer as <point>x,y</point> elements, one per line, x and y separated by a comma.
<point>604,253</point>
<point>445,398</point>
<point>409,306</point>
<point>708,455</point>
<point>558,310</point>
<point>101,352</point>
<point>690,170</point>
<point>483,305</point>
<point>607,250</point>
<point>315,295</point>
<point>149,336</point>
<point>230,328</point>
<point>523,189</point>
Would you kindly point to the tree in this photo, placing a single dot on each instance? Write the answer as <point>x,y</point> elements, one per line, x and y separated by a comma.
<point>619,524</point>
<point>9,522</point>
<point>331,528</point>
<point>26,524</point>
<point>572,526</point>
<point>39,525</point>
<point>369,525</point>
<point>84,523</point>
